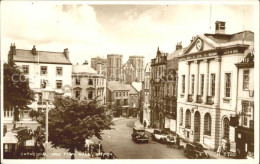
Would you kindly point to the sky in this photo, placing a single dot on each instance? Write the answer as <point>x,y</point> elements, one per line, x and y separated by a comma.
<point>97,30</point>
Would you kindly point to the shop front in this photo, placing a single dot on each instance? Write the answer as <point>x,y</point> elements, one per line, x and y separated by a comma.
<point>245,141</point>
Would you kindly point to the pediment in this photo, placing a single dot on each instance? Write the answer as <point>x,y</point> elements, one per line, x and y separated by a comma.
<point>198,45</point>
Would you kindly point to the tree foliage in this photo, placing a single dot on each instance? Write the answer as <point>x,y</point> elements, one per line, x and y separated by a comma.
<point>72,121</point>
<point>17,93</point>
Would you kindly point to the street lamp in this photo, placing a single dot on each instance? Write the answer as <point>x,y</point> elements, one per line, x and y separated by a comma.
<point>47,95</point>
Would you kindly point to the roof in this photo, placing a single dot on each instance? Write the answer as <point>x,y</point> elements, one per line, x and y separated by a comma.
<point>148,66</point>
<point>128,64</point>
<point>137,86</point>
<point>41,57</point>
<point>131,89</point>
<point>83,69</point>
<point>116,86</point>
<point>224,40</point>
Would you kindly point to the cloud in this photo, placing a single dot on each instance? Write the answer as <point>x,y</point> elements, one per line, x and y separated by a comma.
<point>98,30</point>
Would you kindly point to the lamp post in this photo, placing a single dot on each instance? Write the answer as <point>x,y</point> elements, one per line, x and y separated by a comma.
<point>47,95</point>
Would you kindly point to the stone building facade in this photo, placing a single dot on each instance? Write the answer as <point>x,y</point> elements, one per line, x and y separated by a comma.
<point>158,68</point>
<point>114,67</point>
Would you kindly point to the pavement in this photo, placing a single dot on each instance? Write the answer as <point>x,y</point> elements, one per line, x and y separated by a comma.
<point>182,142</point>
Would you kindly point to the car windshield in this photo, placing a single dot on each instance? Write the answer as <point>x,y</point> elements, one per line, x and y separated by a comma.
<point>164,132</point>
<point>140,131</point>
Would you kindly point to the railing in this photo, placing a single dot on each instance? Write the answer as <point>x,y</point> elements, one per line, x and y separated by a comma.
<point>190,98</point>
<point>199,99</point>
<point>210,100</point>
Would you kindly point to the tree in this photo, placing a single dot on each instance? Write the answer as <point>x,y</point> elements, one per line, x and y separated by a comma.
<point>72,121</point>
<point>17,93</point>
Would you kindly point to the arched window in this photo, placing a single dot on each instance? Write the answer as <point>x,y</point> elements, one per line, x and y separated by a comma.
<point>188,119</point>
<point>207,124</point>
<point>181,116</point>
<point>226,128</point>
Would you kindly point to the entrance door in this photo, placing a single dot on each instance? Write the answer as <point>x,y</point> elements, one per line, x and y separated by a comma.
<point>197,127</point>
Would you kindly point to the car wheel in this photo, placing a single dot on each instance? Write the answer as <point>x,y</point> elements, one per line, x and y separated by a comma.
<point>161,140</point>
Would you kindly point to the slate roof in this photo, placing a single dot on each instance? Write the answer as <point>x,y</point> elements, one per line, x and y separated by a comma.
<point>44,57</point>
<point>131,89</point>
<point>116,86</point>
<point>81,69</point>
<point>223,40</point>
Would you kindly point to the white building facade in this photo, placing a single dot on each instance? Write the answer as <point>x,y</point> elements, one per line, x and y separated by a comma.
<point>41,67</point>
<point>207,86</point>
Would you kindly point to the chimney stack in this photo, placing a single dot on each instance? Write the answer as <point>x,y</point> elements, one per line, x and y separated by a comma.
<point>85,63</point>
<point>34,52</point>
<point>66,53</point>
<point>178,46</point>
<point>12,52</point>
<point>220,27</point>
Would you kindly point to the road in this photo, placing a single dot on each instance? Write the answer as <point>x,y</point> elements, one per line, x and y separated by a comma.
<point>120,142</point>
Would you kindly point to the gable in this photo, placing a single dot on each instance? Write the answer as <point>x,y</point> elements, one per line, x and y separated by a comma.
<point>198,45</point>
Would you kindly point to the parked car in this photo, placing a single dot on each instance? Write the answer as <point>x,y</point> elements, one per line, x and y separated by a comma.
<point>139,135</point>
<point>159,135</point>
<point>195,150</point>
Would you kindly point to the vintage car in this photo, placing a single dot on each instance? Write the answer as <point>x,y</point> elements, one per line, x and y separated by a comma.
<point>160,135</point>
<point>139,135</point>
<point>195,150</point>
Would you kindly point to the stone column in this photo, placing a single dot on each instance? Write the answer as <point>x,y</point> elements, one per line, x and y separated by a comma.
<point>217,83</point>
<point>187,81</point>
<point>206,81</point>
<point>196,81</point>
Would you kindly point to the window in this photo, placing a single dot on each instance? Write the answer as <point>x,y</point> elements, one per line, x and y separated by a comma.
<point>77,94</point>
<point>43,70</point>
<point>226,128</point>
<point>188,119</point>
<point>116,94</point>
<point>125,102</point>
<point>213,78</point>
<point>59,71</point>
<point>207,124</point>
<point>119,94</point>
<point>168,89</point>
<point>192,84</point>
<point>183,83</point>
<point>58,84</point>
<point>25,69</point>
<point>90,82</point>
<point>246,113</point>
<point>43,83</point>
<point>201,84</point>
<point>77,81</point>
<point>123,93</point>
<point>90,95</point>
<point>227,84</point>
<point>118,102</point>
<point>246,80</point>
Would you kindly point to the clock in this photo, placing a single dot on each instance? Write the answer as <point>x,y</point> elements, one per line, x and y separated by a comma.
<point>199,44</point>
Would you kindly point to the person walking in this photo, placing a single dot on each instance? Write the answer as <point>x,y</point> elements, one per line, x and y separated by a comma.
<point>219,150</point>
<point>178,141</point>
<point>99,148</point>
<point>144,123</point>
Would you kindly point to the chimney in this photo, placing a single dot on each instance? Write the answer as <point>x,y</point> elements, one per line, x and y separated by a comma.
<point>66,53</point>
<point>220,27</point>
<point>34,50</point>
<point>12,52</point>
<point>85,63</point>
<point>178,46</point>
<point>192,39</point>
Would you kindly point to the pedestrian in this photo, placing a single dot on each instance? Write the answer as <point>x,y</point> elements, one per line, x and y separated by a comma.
<point>238,154</point>
<point>219,150</point>
<point>99,148</point>
<point>111,155</point>
<point>178,141</point>
<point>144,123</point>
<point>92,147</point>
<point>227,148</point>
